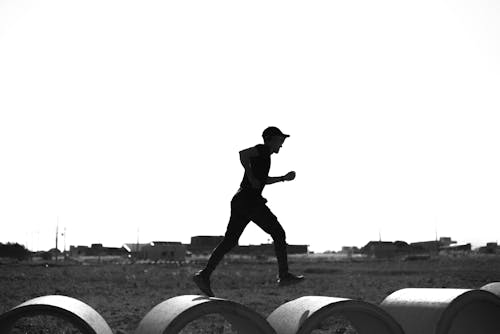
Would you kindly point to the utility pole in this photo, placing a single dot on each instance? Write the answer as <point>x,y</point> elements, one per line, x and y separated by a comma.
<point>64,235</point>
<point>57,236</point>
<point>436,234</point>
<point>436,227</point>
<point>137,245</point>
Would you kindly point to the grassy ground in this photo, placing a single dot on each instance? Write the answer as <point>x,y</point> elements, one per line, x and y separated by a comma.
<point>123,294</point>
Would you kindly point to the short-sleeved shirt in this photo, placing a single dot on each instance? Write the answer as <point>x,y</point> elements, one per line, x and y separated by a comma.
<point>261,164</point>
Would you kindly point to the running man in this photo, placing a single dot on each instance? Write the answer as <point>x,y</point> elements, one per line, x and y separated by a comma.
<point>249,205</point>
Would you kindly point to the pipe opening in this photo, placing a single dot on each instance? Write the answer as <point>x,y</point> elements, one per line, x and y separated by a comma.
<point>41,324</point>
<point>335,324</point>
<point>478,317</point>
<point>209,323</point>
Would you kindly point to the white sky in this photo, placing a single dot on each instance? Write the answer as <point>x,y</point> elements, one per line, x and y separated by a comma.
<point>119,115</point>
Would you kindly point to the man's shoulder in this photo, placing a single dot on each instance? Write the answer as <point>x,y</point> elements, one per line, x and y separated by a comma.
<point>262,149</point>
<point>259,150</point>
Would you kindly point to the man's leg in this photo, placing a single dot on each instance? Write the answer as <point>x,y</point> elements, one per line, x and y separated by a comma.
<point>266,220</point>
<point>237,224</point>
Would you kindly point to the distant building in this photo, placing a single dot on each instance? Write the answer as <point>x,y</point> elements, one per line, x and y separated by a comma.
<point>134,249</point>
<point>75,251</point>
<point>100,250</point>
<point>490,248</point>
<point>204,244</point>
<point>166,251</point>
<point>434,246</point>
<point>268,249</point>
<point>297,249</point>
<point>96,250</point>
<point>387,249</point>
<point>446,242</point>
<point>427,246</point>
<point>157,250</point>
<point>379,249</point>
<point>457,248</point>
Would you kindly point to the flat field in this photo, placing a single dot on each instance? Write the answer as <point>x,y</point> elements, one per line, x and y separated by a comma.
<point>124,293</point>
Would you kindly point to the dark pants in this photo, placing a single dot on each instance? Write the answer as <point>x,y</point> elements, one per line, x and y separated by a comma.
<point>242,212</point>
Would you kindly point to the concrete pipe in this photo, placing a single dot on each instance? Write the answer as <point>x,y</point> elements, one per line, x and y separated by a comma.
<point>305,314</point>
<point>79,314</point>
<point>172,315</point>
<point>444,311</point>
<point>493,288</point>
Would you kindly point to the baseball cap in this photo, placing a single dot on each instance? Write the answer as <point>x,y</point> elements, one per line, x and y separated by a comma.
<point>273,131</point>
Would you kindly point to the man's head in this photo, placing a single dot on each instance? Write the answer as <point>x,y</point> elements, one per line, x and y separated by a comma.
<point>274,138</point>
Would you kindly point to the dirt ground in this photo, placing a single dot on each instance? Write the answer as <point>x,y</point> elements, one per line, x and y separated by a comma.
<point>124,293</point>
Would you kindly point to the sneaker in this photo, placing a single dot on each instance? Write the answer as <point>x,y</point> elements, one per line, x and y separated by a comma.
<point>289,279</point>
<point>203,283</point>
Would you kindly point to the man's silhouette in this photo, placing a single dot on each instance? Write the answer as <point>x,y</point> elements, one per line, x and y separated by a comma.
<point>249,205</point>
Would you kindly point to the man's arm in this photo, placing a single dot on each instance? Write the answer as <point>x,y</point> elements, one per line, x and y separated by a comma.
<point>245,156</point>
<point>288,177</point>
